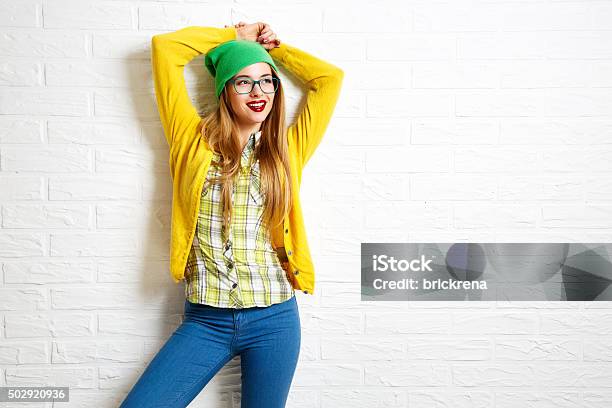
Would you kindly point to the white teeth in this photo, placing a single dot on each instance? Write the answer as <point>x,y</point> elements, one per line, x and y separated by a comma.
<point>256,105</point>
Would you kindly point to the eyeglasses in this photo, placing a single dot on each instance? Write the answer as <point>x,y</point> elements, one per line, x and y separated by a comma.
<point>245,84</point>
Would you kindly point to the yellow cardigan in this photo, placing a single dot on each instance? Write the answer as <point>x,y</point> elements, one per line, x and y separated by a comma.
<point>190,155</point>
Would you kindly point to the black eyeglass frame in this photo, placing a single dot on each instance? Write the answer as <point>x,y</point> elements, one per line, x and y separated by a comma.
<point>275,81</point>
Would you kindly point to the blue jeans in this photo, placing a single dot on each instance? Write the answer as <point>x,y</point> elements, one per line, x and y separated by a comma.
<point>266,338</point>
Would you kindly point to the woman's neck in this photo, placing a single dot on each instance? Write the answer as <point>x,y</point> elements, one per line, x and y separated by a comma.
<point>246,131</point>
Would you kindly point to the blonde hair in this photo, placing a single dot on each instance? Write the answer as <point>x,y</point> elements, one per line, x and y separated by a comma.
<point>221,132</point>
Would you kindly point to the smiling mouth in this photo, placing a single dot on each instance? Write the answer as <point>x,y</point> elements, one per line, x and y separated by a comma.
<point>257,106</point>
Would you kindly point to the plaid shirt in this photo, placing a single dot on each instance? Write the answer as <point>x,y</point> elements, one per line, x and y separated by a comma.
<point>244,271</point>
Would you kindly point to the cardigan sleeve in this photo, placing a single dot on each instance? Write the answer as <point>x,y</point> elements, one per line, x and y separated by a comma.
<point>323,82</point>
<point>170,52</point>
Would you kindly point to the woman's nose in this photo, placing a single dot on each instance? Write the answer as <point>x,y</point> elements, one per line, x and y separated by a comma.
<point>256,91</point>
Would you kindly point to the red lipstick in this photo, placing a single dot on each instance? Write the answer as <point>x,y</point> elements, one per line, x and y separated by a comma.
<point>257,106</point>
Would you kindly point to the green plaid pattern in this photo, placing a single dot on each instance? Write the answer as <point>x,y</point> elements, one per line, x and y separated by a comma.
<point>245,270</point>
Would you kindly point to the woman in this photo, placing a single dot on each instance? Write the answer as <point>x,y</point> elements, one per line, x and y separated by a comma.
<point>238,236</point>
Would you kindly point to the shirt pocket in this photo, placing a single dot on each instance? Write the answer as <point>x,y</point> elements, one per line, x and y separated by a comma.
<point>256,194</point>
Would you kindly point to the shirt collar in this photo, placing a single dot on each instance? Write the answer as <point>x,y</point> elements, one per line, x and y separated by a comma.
<point>250,146</point>
<point>253,139</point>
<point>257,135</point>
<point>251,143</point>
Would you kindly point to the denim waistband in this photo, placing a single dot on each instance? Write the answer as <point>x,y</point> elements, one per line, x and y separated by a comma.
<point>196,307</point>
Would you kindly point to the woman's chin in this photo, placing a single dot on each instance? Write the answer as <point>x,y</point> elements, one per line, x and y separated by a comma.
<point>257,117</point>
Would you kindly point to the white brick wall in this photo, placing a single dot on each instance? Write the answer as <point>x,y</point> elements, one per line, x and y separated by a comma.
<point>468,121</point>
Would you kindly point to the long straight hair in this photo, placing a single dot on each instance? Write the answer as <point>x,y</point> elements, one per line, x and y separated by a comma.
<point>221,132</point>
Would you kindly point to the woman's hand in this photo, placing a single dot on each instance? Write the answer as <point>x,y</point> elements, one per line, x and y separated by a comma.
<point>260,32</point>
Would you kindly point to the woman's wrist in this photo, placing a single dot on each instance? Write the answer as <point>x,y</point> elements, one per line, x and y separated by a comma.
<point>245,33</point>
<point>257,32</point>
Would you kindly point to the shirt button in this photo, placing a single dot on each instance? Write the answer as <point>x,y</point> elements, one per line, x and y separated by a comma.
<point>305,291</point>
<point>286,231</point>
<point>234,285</point>
<point>230,265</point>
<point>296,272</point>
<point>288,252</point>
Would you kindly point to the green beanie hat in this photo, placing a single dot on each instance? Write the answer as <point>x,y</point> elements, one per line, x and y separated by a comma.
<point>227,59</point>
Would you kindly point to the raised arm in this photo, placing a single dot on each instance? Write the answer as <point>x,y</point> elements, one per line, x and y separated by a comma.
<point>170,52</point>
<point>323,82</point>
